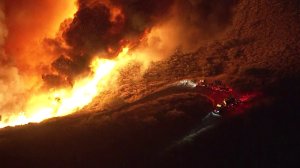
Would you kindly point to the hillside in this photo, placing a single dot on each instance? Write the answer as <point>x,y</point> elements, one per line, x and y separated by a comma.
<point>258,50</point>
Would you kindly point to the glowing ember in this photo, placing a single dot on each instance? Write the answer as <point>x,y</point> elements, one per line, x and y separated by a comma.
<point>68,100</point>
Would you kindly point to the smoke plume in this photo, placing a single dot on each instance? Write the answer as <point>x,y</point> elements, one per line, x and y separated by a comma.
<point>43,40</point>
<point>3,31</point>
<point>103,26</point>
<point>29,22</point>
<point>23,23</point>
<point>10,82</point>
<point>155,28</point>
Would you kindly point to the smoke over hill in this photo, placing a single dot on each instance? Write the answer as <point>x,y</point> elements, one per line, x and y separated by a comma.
<point>251,45</point>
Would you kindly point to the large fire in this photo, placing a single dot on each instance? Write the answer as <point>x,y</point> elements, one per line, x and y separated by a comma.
<point>46,48</point>
<point>65,101</point>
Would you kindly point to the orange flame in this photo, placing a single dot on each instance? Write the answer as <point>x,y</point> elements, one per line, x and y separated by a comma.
<point>65,101</point>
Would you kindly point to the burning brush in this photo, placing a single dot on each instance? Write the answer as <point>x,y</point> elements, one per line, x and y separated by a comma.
<point>92,43</point>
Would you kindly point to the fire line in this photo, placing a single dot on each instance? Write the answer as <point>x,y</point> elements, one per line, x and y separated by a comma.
<point>66,101</point>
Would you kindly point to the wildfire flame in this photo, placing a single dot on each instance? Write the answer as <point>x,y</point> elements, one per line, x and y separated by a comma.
<point>68,41</point>
<point>65,101</point>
